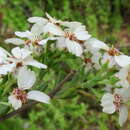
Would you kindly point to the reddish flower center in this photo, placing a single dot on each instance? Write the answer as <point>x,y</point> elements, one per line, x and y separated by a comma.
<point>20,95</point>
<point>117,101</point>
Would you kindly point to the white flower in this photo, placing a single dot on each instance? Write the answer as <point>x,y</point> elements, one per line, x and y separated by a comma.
<point>20,57</point>
<point>71,39</point>
<point>96,55</point>
<point>19,96</point>
<point>116,102</point>
<point>112,55</point>
<point>53,21</point>
<point>34,37</point>
<point>44,20</point>
<point>124,77</point>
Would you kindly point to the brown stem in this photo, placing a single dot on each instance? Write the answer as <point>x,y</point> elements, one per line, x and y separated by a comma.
<point>31,103</point>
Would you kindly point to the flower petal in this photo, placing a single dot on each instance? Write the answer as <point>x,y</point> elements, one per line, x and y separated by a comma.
<point>74,47</point>
<point>3,55</point>
<point>107,103</point>
<point>72,25</point>
<point>81,33</point>
<point>30,61</point>
<point>61,42</point>
<point>37,20</point>
<point>107,96</point>
<point>15,41</point>
<point>26,34</point>
<point>25,53</point>
<point>26,78</point>
<point>16,104</point>
<point>123,114</point>
<point>38,96</point>
<point>98,44</point>
<point>109,109</point>
<point>37,29</point>
<point>122,60</point>
<point>4,69</point>
<point>16,52</point>
<point>44,41</point>
<point>55,30</point>
<point>20,53</point>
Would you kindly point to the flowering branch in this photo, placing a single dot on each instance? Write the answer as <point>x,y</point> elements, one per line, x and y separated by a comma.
<point>74,38</point>
<point>31,103</point>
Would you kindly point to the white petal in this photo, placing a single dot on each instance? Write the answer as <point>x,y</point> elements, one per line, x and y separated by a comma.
<point>37,29</point>
<point>16,52</point>
<point>72,25</point>
<point>25,53</point>
<point>26,78</point>
<point>38,96</point>
<point>3,55</point>
<point>107,96</point>
<point>55,30</point>
<point>107,103</point>
<point>123,73</point>
<point>74,47</point>
<point>81,33</point>
<point>98,44</point>
<point>122,60</point>
<point>89,46</point>
<point>107,58</point>
<point>16,104</point>
<point>15,41</point>
<point>26,34</point>
<point>61,43</point>
<point>37,20</point>
<point>124,92</point>
<point>4,69</point>
<point>44,41</point>
<point>30,61</point>
<point>20,53</point>
<point>123,114</point>
<point>109,109</point>
<point>124,83</point>
<point>95,58</point>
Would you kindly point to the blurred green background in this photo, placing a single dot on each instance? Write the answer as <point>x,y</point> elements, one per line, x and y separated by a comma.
<point>107,20</point>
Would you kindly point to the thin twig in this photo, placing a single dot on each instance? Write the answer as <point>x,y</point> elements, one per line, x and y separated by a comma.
<point>58,87</point>
<point>31,103</point>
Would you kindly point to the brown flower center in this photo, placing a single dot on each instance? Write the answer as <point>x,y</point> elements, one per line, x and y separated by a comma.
<point>128,77</point>
<point>113,52</point>
<point>27,42</point>
<point>19,64</point>
<point>87,60</point>
<point>72,37</point>
<point>20,95</point>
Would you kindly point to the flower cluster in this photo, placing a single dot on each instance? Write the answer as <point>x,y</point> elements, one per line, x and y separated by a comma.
<point>72,37</point>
